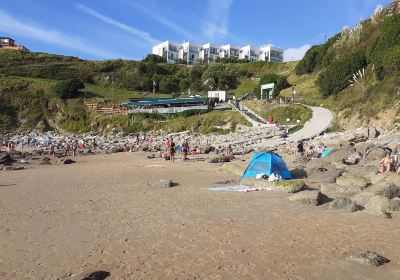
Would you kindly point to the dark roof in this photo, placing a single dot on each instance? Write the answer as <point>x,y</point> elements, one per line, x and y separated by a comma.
<point>166,101</point>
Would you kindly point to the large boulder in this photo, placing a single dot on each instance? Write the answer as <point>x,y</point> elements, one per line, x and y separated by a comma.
<point>6,159</point>
<point>299,173</point>
<point>330,188</point>
<point>375,154</point>
<point>352,181</point>
<point>339,155</point>
<point>376,177</point>
<point>393,179</point>
<point>385,189</point>
<point>362,198</point>
<point>290,186</point>
<point>343,203</point>
<point>394,205</point>
<point>313,198</point>
<point>327,174</point>
<point>377,203</point>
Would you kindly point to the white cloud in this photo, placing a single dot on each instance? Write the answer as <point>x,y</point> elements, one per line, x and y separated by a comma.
<point>11,25</point>
<point>293,54</point>
<point>162,20</point>
<point>145,36</point>
<point>215,27</point>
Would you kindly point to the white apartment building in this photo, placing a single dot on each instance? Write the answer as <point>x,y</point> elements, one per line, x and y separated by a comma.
<point>271,53</point>
<point>227,51</point>
<point>249,52</point>
<point>189,52</point>
<point>209,53</point>
<point>169,50</point>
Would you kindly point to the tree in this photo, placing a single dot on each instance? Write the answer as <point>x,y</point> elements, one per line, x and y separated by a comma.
<point>68,88</point>
<point>338,74</point>
<point>154,58</point>
<point>184,84</point>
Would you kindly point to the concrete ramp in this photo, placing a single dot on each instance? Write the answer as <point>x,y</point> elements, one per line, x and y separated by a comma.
<point>320,121</point>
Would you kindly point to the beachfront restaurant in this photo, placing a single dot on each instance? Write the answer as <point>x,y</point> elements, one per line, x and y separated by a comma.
<point>166,105</point>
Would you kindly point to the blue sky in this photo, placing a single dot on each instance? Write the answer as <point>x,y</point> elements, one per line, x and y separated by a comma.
<point>108,29</point>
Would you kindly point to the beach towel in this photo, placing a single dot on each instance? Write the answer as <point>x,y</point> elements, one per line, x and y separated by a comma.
<point>238,188</point>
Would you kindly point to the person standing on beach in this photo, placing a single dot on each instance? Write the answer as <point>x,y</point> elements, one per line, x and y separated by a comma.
<point>185,149</point>
<point>172,150</point>
<point>74,148</point>
<point>52,150</point>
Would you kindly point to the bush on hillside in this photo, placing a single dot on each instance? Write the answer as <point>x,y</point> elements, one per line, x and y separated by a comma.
<point>337,75</point>
<point>385,53</point>
<point>218,76</point>
<point>154,58</point>
<point>68,88</point>
<point>316,56</point>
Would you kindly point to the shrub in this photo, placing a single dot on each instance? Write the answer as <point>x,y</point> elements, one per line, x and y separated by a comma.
<point>337,75</point>
<point>154,59</point>
<point>68,88</point>
<point>385,53</point>
<point>316,56</point>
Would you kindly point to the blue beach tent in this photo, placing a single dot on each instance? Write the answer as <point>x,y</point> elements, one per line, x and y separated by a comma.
<point>267,163</point>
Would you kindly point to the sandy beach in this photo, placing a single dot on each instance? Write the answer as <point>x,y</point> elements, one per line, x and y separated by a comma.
<point>63,222</point>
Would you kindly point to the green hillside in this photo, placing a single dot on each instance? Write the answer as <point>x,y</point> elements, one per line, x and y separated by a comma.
<point>355,73</point>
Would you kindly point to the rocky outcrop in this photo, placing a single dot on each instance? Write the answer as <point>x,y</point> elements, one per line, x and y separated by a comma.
<point>312,198</point>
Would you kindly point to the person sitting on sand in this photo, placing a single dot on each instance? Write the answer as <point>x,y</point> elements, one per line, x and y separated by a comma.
<point>310,153</point>
<point>386,164</point>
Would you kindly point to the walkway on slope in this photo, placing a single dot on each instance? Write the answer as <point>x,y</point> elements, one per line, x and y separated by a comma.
<point>321,120</point>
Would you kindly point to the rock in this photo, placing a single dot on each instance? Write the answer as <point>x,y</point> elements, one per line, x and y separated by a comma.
<point>329,188</point>
<point>375,178</point>
<point>369,258</point>
<point>385,189</point>
<point>362,198</point>
<point>377,154</point>
<point>343,203</point>
<point>380,214</point>
<point>6,159</point>
<point>341,154</point>
<point>163,183</point>
<point>373,132</point>
<point>324,174</point>
<point>65,161</point>
<point>351,181</point>
<point>221,159</point>
<point>394,205</point>
<point>358,139</point>
<point>377,203</point>
<point>358,170</point>
<point>97,275</point>
<point>317,163</point>
<point>290,186</point>
<point>393,179</point>
<point>307,197</point>
<point>298,173</point>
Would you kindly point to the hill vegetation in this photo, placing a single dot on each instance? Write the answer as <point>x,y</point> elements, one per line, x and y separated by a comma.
<point>355,73</point>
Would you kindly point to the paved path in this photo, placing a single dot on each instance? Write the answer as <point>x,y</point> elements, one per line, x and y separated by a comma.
<point>321,120</point>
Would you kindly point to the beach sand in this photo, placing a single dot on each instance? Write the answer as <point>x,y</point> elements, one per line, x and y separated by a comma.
<point>62,222</point>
